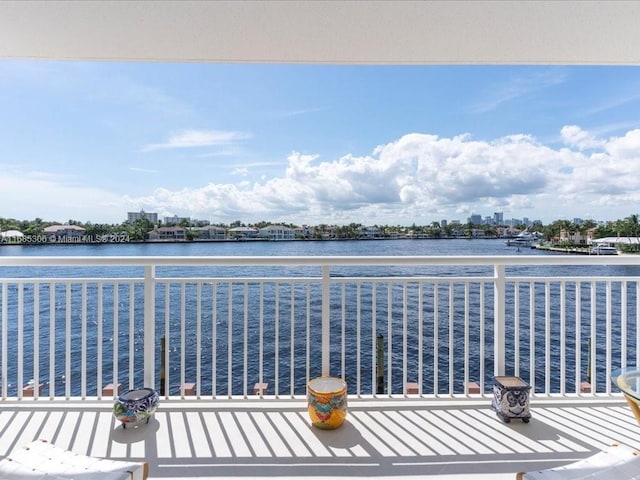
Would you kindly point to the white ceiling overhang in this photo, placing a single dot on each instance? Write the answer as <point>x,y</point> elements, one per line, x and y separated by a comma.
<point>344,32</point>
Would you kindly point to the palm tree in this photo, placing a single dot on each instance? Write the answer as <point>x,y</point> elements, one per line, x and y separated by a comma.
<point>631,223</point>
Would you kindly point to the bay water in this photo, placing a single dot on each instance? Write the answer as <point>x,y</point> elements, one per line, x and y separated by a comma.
<point>406,247</point>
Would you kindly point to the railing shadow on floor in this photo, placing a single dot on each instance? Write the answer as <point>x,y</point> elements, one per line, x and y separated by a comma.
<point>222,439</point>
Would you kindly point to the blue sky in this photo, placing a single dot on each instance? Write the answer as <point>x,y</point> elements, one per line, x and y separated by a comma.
<point>310,144</point>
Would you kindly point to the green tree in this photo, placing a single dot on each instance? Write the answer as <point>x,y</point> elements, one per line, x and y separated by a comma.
<point>35,227</point>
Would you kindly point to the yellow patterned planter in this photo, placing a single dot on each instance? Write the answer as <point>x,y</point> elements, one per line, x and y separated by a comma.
<point>327,400</point>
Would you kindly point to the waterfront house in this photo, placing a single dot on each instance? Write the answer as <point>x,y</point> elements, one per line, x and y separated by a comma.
<point>243,233</point>
<point>369,232</point>
<point>209,233</point>
<point>64,233</point>
<point>167,234</point>
<point>11,236</point>
<point>277,232</point>
<point>304,231</point>
<point>574,237</point>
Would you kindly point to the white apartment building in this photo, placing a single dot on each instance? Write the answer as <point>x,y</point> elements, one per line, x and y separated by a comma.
<point>132,217</point>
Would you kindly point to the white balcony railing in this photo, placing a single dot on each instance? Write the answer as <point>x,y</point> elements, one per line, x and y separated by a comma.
<point>69,326</point>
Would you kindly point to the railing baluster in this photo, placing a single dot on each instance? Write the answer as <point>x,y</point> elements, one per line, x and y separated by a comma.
<point>5,332</point>
<point>83,340</point>
<point>132,337</point>
<point>343,327</point>
<point>465,382</point>
<point>358,346</point>
<point>608,335</point>
<point>276,337</point>
<point>483,292</point>
<point>230,340</point>
<point>578,337</point>
<point>245,343</point>
<point>166,342</point>
<point>533,372</point>
<point>36,340</point>
<point>563,339</point>
<point>67,367</point>
<point>214,338</point>
<point>436,337</point>
<point>547,337</point>
<point>149,348</point>
<point>20,366</point>
<point>637,343</point>
<point>404,337</point>
<point>516,328</point>
<point>198,338</point>
<point>100,339</point>
<point>326,321</point>
<point>451,338</point>
<point>52,340</point>
<point>116,348</point>
<point>499,320</point>
<point>292,336</point>
<point>389,338</point>
<point>183,336</point>
<point>593,337</point>
<point>623,324</point>
<point>308,336</point>
<point>374,340</point>
<point>420,337</point>
<point>261,341</point>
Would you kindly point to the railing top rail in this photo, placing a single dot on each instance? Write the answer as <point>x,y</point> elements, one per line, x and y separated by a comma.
<point>83,261</point>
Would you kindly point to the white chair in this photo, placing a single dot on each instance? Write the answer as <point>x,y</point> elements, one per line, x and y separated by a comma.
<point>41,460</point>
<point>614,463</point>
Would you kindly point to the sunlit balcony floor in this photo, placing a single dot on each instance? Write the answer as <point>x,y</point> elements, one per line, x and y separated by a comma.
<point>267,438</point>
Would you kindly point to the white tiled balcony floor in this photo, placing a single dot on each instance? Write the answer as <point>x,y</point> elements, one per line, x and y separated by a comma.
<point>215,439</point>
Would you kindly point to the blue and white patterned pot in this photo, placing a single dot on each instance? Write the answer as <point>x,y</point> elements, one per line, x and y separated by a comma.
<point>136,405</point>
<point>511,398</point>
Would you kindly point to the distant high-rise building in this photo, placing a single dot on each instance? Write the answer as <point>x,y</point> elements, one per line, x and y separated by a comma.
<point>132,217</point>
<point>176,220</point>
<point>498,218</point>
<point>475,219</point>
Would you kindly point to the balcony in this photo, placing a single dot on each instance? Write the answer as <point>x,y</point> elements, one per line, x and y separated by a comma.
<point>418,340</point>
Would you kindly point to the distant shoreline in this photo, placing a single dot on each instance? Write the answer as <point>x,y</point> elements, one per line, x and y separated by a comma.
<point>234,240</point>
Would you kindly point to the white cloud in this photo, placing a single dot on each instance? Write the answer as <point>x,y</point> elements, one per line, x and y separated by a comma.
<point>574,136</point>
<point>197,138</point>
<point>626,147</point>
<point>423,176</point>
<point>417,178</point>
<point>240,171</point>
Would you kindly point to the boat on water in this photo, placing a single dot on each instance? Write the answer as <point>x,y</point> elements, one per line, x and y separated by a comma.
<point>603,250</point>
<point>524,239</point>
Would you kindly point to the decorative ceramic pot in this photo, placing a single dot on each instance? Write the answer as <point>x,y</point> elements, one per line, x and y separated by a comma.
<point>511,398</point>
<point>327,400</point>
<point>136,405</point>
